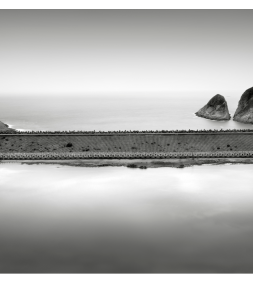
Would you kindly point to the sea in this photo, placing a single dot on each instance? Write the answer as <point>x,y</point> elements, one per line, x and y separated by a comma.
<point>65,219</point>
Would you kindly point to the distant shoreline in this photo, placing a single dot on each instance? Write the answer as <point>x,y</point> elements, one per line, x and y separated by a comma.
<point>136,163</point>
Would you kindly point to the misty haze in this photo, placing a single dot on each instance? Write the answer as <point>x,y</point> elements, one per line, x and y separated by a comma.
<point>129,72</point>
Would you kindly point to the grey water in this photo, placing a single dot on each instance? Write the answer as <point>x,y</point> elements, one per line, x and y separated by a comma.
<point>117,220</point>
<point>123,111</point>
<point>63,219</point>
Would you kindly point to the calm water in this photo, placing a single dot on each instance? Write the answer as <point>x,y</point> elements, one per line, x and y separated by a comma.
<point>119,112</point>
<point>66,219</point>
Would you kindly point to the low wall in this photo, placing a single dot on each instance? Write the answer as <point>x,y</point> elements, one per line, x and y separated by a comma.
<point>123,155</point>
<point>221,131</point>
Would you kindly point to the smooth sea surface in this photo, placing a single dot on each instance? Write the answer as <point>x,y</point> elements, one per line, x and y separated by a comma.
<point>63,219</point>
<point>123,111</point>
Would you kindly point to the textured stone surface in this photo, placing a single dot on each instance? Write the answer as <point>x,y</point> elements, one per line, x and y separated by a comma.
<point>215,109</point>
<point>244,111</point>
<point>156,143</point>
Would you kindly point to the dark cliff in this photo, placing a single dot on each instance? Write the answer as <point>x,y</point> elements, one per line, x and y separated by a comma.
<point>244,111</point>
<point>215,109</point>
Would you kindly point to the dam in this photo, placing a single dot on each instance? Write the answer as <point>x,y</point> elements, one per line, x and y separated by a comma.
<point>126,145</point>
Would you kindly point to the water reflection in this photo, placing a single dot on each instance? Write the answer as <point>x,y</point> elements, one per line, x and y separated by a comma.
<point>66,219</point>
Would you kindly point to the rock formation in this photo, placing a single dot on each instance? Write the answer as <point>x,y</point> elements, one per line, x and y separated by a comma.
<point>215,109</point>
<point>244,111</point>
<point>5,127</point>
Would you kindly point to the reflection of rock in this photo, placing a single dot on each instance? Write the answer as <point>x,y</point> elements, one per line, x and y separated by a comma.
<point>215,109</point>
<point>5,127</point>
<point>244,111</point>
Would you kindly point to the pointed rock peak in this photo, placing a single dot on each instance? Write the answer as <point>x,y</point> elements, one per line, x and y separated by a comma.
<point>244,111</point>
<point>217,99</point>
<point>215,109</point>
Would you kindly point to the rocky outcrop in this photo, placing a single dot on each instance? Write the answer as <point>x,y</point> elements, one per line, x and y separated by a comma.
<point>215,109</point>
<point>5,127</point>
<point>244,111</point>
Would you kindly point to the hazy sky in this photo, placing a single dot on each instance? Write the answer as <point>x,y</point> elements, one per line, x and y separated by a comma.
<point>79,51</point>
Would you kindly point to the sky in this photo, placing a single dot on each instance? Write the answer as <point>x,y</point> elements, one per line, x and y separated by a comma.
<point>116,51</point>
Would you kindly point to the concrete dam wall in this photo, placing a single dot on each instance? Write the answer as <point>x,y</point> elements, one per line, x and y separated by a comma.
<point>108,145</point>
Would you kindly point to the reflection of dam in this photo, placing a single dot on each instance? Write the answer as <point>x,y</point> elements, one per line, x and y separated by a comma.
<point>125,145</point>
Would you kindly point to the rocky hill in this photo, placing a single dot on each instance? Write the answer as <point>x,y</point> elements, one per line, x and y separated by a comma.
<point>215,109</point>
<point>244,111</point>
<point>5,127</point>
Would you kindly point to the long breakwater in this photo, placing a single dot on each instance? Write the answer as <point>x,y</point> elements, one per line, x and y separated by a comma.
<point>126,145</point>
